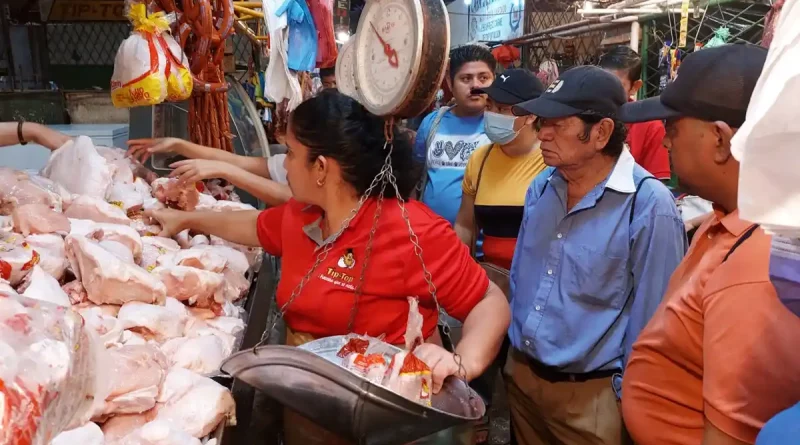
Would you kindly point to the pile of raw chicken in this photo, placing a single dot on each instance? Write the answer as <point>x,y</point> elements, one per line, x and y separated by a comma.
<point>163,310</point>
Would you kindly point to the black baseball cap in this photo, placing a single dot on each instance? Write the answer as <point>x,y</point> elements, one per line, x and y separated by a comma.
<point>513,86</point>
<point>581,90</point>
<point>713,84</point>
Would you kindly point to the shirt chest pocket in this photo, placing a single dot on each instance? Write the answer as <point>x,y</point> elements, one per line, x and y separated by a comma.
<point>594,278</point>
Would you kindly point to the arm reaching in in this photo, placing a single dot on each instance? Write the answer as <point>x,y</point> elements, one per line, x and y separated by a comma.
<point>237,227</point>
<point>31,132</point>
<point>465,220</point>
<point>267,190</point>
<point>144,148</point>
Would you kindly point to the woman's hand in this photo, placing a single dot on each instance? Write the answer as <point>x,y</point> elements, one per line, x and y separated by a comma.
<point>190,171</point>
<point>142,149</point>
<point>442,363</point>
<point>172,221</point>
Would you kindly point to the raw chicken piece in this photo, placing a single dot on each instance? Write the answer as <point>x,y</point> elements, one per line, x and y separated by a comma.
<point>153,204</point>
<point>5,289</point>
<point>200,258</point>
<point>108,328</point>
<point>41,286</point>
<point>17,188</point>
<point>118,250</point>
<point>136,374</point>
<point>159,432</point>
<point>132,338</point>
<point>228,325</point>
<point>52,255</point>
<point>141,224</point>
<point>143,188</point>
<point>235,285</point>
<point>54,188</point>
<point>157,322</point>
<point>236,260</point>
<point>80,169</point>
<point>124,168</point>
<point>231,206</point>
<point>184,239</point>
<point>80,227</point>
<point>89,434</point>
<point>109,280</point>
<point>122,234</point>
<point>196,287</point>
<point>6,223</point>
<point>203,354</point>
<point>75,291</point>
<point>205,202</point>
<point>176,195</point>
<point>97,210</point>
<point>199,328</point>
<point>154,247</point>
<point>199,240</point>
<point>121,425</point>
<point>221,189</point>
<point>39,218</point>
<point>17,258</point>
<point>195,403</point>
<point>253,254</point>
<point>126,197</point>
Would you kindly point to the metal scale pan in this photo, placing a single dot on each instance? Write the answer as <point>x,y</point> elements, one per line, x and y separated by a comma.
<point>306,380</point>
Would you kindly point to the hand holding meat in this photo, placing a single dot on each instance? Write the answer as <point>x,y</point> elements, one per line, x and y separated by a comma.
<point>171,221</point>
<point>193,170</point>
<point>442,363</point>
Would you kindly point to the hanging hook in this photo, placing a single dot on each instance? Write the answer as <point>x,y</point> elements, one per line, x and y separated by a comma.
<point>388,130</point>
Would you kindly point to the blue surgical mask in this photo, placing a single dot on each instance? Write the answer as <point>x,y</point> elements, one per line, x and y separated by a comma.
<point>499,128</point>
<point>784,271</point>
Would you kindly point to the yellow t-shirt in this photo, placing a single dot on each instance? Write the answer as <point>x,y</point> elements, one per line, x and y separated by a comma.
<point>500,197</point>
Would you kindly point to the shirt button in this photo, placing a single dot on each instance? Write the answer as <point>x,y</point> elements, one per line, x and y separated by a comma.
<point>550,272</point>
<point>559,236</point>
<point>538,308</point>
<point>527,342</point>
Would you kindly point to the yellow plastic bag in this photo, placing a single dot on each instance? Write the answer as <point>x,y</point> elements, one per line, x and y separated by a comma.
<point>139,77</point>
<point>179,78</point>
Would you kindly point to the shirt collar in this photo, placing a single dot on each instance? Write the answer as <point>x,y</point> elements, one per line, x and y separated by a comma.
<point>731,221</point>
<point>621,178</point>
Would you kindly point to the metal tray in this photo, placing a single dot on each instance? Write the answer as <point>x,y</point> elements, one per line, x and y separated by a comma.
<point>315,386</point>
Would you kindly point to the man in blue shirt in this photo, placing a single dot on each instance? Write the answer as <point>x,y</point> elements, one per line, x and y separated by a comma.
<point>445,149</point>
<point>599,240</point>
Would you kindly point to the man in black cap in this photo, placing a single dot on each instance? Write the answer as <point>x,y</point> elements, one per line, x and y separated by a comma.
<point>599,240</point>
<point>719,357</point>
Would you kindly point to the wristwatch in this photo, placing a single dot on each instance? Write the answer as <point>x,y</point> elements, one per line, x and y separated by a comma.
<point>21,138</point>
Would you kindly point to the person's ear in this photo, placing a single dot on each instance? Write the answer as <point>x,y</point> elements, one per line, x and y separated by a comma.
<point>601,133</point>
<point>723,134</point>
<point>320,169</point>
<point>635,86</point>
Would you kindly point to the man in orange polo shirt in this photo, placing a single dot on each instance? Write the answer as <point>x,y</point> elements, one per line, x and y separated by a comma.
<point>719,357</point>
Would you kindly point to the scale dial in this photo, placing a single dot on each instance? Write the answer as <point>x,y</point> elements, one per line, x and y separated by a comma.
<point>400,55</point>
<point>345,75</point>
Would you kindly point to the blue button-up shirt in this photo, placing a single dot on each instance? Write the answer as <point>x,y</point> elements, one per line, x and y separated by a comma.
<point>585,282</point>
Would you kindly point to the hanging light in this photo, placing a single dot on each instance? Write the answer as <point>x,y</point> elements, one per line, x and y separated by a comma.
<point>342,37</point>
<point>467,2</point>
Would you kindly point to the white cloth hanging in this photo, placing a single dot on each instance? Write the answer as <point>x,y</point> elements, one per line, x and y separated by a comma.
<point>767,144</point>
<point>280,82</point>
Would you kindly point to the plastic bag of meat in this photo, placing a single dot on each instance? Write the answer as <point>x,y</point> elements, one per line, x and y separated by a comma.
<point>80,169</point>
<point>139,77</point>
<point>409,376</point>
<point>48,374</point>
<point>17,258</point>
<point>179,78</point>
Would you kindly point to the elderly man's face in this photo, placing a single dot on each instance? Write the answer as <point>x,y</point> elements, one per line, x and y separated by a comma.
<point>569,142</point>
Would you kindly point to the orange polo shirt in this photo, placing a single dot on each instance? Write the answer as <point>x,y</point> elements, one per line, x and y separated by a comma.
<point>322,308</point>
<point>721,346</point>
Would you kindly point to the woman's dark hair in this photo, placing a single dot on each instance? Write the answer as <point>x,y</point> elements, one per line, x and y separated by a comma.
<point>334,125</point>
<point>615,144</point>
<point>327,72</point>
<point>623,58</point>
<point>470,53</point>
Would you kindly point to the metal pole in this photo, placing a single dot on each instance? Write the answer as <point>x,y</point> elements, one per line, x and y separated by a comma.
<point>645,53</point>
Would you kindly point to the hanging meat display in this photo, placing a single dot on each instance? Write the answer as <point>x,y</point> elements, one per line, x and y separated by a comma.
<point>202,28</point>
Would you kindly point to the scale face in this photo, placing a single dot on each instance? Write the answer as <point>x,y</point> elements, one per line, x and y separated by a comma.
<point>345,76</point>
<point>401,50</point>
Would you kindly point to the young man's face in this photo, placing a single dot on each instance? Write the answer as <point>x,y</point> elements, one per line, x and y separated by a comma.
<point>471,75</point>
<point>329,82</point>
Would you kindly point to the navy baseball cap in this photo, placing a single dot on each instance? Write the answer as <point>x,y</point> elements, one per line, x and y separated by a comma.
<point>581,90</point>
<point>713,84</point>
<point>513,86</point>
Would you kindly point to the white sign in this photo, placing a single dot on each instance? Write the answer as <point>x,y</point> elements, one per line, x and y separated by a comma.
<point>496,20</point>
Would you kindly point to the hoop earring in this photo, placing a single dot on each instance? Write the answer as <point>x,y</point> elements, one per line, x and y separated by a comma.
<point>320,182</point>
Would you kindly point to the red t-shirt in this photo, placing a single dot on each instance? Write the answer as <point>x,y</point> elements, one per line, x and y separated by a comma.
<point>645,141</point>
<point>394,272</point>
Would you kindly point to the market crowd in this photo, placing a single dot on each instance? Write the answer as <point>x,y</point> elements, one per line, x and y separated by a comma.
<point>552,240</point>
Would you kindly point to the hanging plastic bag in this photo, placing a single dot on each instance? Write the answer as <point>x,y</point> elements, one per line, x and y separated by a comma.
<point>179,78</point>
<point>302,48</point>
<point>322,12</point>
<point>140,77</point>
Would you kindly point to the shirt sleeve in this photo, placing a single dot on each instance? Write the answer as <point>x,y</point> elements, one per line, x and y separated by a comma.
<point>468,185</point>
<point>654,153</point>
<point>750,358</point>
<point>276,171</point>
<point>659,244</point>
<point>460,282</point>
<point>269,225</point>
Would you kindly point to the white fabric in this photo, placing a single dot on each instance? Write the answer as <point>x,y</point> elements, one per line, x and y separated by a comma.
<point>766,145</point>
<point>621,178</point>
<point>276,170</point>
<point>280,82</point>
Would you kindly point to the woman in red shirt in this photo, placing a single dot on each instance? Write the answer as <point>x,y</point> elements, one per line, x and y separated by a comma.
<point>336,148</point>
